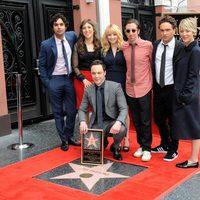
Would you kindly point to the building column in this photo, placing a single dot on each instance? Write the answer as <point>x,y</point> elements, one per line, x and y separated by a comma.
<point>5,123</point>
<point>103,15</point>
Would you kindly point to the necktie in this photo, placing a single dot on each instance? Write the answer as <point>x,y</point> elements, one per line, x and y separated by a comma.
<point>65,56</point>
<point>99,109</point>
<point>133,63</point>
<point>162,67</point>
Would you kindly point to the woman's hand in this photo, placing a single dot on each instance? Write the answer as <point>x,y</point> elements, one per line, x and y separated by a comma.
<point>86,83</point>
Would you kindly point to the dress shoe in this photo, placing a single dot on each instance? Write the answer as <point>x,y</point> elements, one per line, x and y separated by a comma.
<point>185,164</point>
<point>64,146</point>
<point>105,143</point>
<point>116,154</point>
<point>125,148</point>
<point>73,142</point>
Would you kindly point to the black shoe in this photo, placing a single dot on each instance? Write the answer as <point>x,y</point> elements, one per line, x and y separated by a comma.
<point>64,146</point>
<point>171,155</point>
<point>73,142</point>
<point>125,148</point>
<point>116,154</point>
<point>105,143</point>
<point>160,149</point>
<point>186,165</point>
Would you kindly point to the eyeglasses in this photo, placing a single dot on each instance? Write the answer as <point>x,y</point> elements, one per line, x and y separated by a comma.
<point>131,30</point>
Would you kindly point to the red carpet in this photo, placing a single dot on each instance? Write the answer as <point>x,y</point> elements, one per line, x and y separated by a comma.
<point>160,177</point>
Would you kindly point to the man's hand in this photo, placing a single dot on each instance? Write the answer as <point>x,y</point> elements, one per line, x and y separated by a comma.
<point>83,128</point>
<point>116,127</point>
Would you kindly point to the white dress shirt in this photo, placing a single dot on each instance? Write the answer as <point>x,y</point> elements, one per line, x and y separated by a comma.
<point>168,62</point>
<point>60,68</point>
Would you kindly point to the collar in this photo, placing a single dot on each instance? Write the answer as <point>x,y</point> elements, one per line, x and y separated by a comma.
<point>59,40</point>
<point>138,42</point>
<point>101,86</point>
<point>170,44</point>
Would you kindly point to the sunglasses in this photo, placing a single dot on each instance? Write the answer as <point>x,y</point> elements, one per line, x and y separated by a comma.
<point>131,30</point>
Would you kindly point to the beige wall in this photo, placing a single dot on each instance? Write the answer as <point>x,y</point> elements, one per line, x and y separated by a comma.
<point>85,11</point>
<point>3,100</point>
<point>160,10</point>
<point>193,6</point>
<point>5,124</point>
<point>115,12</point>
<point>90,11</point>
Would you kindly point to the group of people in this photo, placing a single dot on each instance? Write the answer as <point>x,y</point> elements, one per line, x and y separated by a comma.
<point>112,75</point>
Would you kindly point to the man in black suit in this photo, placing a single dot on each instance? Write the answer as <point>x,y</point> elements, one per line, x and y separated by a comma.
<point>112,108</point>
<point>56,75</point>
<point>165,52</point>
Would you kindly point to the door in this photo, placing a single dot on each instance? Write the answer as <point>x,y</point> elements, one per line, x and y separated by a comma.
<point>145,14</point>
<point>24,24</point>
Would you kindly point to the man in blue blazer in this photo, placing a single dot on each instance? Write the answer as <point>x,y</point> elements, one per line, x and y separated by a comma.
<point>56,75</point>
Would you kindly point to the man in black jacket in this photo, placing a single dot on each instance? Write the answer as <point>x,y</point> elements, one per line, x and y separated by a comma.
<point>165,52</point>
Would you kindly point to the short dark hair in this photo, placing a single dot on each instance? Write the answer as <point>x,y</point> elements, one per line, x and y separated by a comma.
<point>170,20</point>
<point>98,62</point>
<point>133,21</point>
<point>58,16</point>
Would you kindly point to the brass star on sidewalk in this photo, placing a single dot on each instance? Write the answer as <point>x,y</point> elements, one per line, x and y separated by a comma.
<point>90,175</point>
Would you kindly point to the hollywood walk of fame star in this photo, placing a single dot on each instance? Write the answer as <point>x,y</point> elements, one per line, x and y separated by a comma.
<point>91,141</point>
<point>90,175</point>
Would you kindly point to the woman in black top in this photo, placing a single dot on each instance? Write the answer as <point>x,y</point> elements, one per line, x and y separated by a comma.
<point>86,50</point>
<point>115,63</point>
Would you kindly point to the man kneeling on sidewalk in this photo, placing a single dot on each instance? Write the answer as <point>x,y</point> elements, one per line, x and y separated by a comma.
<point>109,108</point>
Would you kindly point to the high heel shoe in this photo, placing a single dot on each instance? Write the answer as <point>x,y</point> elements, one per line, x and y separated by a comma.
<point>126,148</point>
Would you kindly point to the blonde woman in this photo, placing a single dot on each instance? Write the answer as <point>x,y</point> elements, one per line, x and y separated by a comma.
<point>186,103</point>
<point>115,62</point>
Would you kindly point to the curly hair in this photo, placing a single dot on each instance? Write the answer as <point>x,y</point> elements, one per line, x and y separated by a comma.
<point>111,29</point>
<point>81,38</point>
<point>170,20</point>
<point>56,17</point>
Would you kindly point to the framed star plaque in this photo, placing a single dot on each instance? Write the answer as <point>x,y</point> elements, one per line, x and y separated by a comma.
<point>92,147</point>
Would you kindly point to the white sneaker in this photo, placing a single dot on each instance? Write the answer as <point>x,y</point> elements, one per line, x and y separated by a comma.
<point>146,156</point>
<point>138,153</point>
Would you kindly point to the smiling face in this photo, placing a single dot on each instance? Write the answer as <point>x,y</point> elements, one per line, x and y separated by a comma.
<point>167,32</point>
<point>98,74</point>
<point>187,36</point>
<point>112,38</point>
<point>59,28</point>
<point>132,32</point>
<point>88,31</point>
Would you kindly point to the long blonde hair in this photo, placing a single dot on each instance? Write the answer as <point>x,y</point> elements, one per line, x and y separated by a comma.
<point>112,28</point>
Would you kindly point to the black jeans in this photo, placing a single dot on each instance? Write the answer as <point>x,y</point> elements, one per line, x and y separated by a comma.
<point>141,114</point>
<point>163,115</point>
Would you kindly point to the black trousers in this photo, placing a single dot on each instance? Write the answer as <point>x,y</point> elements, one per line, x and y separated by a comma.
<point>163,115</point>
<point>141,115</point>
<point>116,137</point>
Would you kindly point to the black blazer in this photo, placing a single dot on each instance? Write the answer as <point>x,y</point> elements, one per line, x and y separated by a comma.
<point>178,46</point>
